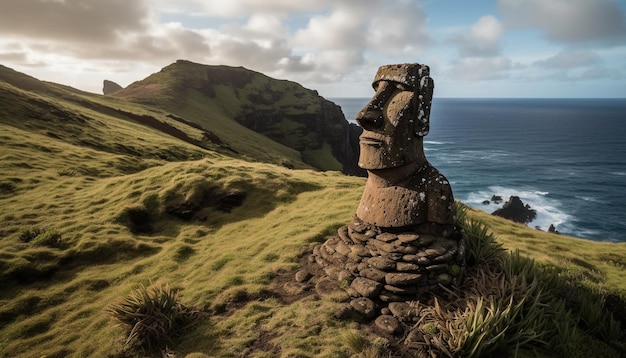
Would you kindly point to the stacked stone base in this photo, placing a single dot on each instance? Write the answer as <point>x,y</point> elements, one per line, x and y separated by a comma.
<point>379,268</point>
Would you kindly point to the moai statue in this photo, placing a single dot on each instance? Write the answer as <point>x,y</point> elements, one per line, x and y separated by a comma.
<point>402,189</point>
<point>404,242</point>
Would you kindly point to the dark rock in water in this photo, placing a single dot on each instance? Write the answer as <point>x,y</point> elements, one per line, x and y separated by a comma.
<point>486,202</point>
<point>515,210</point>
<point>553,229</point>
<point>110,87</point>
<point>496,199</point>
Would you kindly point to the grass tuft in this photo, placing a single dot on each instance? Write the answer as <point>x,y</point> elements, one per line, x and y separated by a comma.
<point>151,315</point>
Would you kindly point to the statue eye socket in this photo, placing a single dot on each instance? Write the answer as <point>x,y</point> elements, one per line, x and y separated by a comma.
<point>402,87</point>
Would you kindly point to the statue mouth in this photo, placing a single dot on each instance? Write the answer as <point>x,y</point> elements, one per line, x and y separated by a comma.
<point>370,140</point>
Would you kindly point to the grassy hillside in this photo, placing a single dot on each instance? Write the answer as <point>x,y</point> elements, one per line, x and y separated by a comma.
<point>96,204</point>
<point>223,98</point>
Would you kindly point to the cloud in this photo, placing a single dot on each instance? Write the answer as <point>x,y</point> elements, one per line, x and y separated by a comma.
<point>338,30</point>
<point>72,20</point>
<point>399,27</point>
<point>570,58</point>
<point>567,21</point>
<point>481,69</point>
<point>245,8</point>
<point>482,39</point>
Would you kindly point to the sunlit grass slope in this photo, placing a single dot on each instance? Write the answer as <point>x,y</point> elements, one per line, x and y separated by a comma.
<point>87,203</point>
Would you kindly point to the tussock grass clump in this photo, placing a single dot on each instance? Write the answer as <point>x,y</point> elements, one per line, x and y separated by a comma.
<point>361,346</point>
<point>151,316</point>
<point>41,237</point>
<point>509,305</point>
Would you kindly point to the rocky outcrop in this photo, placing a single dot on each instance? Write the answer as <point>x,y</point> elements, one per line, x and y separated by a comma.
<point>515,210</point>
<point>306,128</point>
<point>110,87</point>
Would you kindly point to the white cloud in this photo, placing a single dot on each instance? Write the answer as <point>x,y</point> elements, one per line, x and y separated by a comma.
<point>567,21</point>
<point>482,39</point>
<point>481,69</point>
<point>339,30</point>
<point>487,31</point>
<point>399,27</point>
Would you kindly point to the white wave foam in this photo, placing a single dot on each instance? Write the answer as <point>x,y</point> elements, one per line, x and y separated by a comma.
<point>548,209</point>
<point>588,198</point>
<point>619,173</point>
<point>436,142</point>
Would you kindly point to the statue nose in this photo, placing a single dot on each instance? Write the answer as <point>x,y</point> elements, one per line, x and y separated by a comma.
<point>370,119</point>
<point>371,116</point>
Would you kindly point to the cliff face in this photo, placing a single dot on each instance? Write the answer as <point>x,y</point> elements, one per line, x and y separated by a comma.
<point>283,111</point>
<point>310,129</point>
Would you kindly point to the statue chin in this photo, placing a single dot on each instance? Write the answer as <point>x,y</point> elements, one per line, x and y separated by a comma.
<point>378,160</point>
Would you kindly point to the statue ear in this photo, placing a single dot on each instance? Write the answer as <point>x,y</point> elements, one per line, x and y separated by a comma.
<point>422,106</point>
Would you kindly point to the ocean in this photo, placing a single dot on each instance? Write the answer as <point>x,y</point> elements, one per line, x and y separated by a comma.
<point>566,158</point>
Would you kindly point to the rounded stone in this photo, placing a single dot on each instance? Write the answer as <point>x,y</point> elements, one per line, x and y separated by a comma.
<point>435,250</point>
<point>294,288</point>
<point>406,266</point>
<point>364,306</point>
<point>303,275</point>
<point>414,336</point>
<point>345,276</point>
<point>408,238</point>
<point>327,287</point>
<point>425,240</point>
<point>387,237</point>
<point>387,296</point>
<point>404,290</point>
<point>366,287</point>
<point>401,310</point>
<point>382,263</point>
<point>373,274</point>
<point>402,279</point>
<point>370,233</point>
<point>344,311</point>
<point>343,249</point>
<point>343,235</point>
<point>388,324</point>
<point>359,250</point>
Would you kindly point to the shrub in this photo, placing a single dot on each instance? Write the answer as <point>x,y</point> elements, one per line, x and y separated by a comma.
<point>482,246</point>
<point>151,315</point>
<point>27,235</point>
<point>40,237</point>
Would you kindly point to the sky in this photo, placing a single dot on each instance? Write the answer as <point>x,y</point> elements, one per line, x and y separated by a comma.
<point>484,48</point>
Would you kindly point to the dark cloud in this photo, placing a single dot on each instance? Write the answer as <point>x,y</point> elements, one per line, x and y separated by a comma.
<point>20,57</point>
<point>567,21</point>
<point>72,20</point>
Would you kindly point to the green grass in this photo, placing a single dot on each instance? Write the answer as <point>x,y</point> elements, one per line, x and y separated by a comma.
<point>77,182</point>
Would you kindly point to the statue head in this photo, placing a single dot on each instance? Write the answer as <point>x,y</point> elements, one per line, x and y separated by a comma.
<point>396,118</point>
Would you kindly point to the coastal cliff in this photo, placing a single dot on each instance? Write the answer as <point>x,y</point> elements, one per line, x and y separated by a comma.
<point>283,111</point>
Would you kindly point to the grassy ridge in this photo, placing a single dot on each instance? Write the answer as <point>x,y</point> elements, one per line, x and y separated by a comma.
<point>73,172</point>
